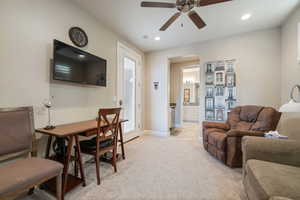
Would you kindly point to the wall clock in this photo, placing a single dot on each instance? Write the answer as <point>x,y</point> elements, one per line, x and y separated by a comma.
<point>78,36</point>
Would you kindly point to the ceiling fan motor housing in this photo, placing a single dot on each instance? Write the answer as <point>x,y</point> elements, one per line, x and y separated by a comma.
<point>186,5</point>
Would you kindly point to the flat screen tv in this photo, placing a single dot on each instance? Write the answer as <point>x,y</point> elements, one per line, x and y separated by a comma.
<point>74,65</point>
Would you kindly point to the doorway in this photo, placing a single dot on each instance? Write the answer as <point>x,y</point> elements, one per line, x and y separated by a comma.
<point>184,84</point>
<point>129,88</point>
<point>191,94</point>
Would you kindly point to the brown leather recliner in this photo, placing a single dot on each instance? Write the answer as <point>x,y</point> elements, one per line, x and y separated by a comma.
<point>223,140</point>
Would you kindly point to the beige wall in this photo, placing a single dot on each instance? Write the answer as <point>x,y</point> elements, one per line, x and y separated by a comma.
<point>258,69</point>
<point>290,122</point>
<point>27,32</point>
<point>195,75</point>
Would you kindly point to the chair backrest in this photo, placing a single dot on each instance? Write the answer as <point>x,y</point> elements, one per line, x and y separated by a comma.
<point>108,122</point>
<point>255,118</point>
<point>16,132</point>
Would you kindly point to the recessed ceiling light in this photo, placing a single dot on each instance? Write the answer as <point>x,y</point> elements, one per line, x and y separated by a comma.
<point>157,38</point>
<point>246,16</point>
<point>81,56</point>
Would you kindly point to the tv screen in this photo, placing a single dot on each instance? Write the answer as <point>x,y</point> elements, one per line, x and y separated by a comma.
<point>74,65</point>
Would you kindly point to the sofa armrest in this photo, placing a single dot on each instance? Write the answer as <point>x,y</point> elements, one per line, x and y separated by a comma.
<point>218,125</point>
<point>280,198</point>
<point>240,133</point>
<point>273,150</point>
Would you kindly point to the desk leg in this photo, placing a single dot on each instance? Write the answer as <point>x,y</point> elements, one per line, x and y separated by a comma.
<point>66,164</point>
<point>48,147</point>
<point>121,140</point>
<point>78,153</point>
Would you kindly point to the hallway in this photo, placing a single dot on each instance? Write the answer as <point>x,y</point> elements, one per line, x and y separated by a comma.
<point>190,130</point>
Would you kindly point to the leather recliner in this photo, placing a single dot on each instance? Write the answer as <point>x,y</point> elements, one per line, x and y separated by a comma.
<point>223,140</point>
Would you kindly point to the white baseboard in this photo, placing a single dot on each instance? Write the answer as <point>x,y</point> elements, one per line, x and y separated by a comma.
<point>178,126</point>
<point>200,138</point>
<point>158,133</point>
<point>191,121</point>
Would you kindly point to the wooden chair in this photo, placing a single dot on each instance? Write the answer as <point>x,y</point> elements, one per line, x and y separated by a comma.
<point>106,139</point>
<point>17,140</point>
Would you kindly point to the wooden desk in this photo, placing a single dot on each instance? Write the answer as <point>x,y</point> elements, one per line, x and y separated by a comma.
<point>71,132</point>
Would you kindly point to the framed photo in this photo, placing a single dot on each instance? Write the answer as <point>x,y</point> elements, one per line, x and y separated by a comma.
<point>220,94</point>
<point>187,95</point>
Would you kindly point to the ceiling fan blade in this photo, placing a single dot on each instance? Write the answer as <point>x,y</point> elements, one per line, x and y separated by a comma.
<point>170,21</point>
<point>196,19</point>
<point>210,2</point>
<point>158,4</point>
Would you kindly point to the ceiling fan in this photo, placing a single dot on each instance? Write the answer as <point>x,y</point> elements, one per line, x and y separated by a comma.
<point>183,6</point>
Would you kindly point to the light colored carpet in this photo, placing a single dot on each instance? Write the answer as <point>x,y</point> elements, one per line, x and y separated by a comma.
<point>173,168</point>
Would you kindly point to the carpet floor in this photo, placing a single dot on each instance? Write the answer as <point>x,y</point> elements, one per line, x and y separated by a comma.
<point>156,168</point>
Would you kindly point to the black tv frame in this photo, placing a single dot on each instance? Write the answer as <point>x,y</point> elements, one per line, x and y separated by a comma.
<point>55,42</point>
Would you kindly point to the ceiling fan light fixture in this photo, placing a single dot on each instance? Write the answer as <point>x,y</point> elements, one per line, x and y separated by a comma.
<point>246,16</point>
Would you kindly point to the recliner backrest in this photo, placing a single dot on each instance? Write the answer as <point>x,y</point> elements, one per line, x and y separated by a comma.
<point>256,118</point>
<point>267,120</point>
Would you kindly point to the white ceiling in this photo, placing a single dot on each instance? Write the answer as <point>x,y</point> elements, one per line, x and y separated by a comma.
<point>129,20</point>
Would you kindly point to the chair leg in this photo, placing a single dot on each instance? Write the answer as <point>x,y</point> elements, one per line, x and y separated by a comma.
<point>59,193</point>
<point>76,163</point>
<point>97,160</point>
<point>114,159</point>
<point>121,140</point>
<point>31,191</point>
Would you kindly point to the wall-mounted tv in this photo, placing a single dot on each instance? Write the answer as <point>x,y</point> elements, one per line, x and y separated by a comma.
<point>74,65</point>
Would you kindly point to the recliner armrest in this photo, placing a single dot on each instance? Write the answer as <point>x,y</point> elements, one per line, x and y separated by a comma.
<point>241,133</point>
<point>218,125</point>
<point>273,150</point>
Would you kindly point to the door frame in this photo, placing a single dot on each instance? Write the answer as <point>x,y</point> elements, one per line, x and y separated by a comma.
<point>123,50</point>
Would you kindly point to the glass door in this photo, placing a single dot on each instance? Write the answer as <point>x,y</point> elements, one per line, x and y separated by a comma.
<point>129,90</point>
<point>129,94</point>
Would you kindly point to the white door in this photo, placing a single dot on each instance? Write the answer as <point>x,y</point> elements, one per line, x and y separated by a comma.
<point>129,87</point>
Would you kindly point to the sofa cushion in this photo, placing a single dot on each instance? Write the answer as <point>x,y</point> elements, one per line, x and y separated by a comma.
<point>269,179</point>
<point>243,126</point>
<point>20,174</point>
<point>234,117</point>
<point>267,120</point>
<point>218,139</point>
<point>250,113</point>
<point>206,132</point>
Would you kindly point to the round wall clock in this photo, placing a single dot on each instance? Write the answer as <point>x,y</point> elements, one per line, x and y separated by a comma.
<point>78,36</point>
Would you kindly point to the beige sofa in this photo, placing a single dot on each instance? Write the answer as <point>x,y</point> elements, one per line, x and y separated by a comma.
<point>271,168</point>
